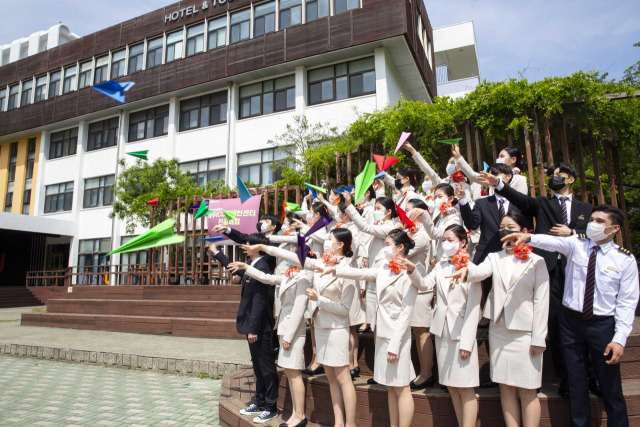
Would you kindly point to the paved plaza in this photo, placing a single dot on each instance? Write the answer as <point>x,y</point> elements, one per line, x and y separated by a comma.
<point>48,393</point>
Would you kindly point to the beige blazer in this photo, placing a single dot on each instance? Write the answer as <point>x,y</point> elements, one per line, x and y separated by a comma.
<point>523,297</point>
<point>435,225</point>
<point>396,298</point>
<point>518,182</point>
<point>457,308</point>
<point>379,232</point>
<point>435,178</point>
<point>293,301</point>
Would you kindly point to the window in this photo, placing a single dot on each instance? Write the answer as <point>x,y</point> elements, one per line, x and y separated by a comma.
<point>3,97</point>
<point>14,91</point>
<point>92,258</point>
<point>264,20</point>
<point>54,84</point>
<point>195,39</point>
<point>132,263</point>
<point>149,123</point>
<point>103,134</point>
<point>13,161</point>
<point>342,81</point>
<point>136,53</point>
<point>268,97</point>
<point>154,52</point>
<point>240,23</point>
<point>344,5</point>
<point>174,46</point>
<point>58,197</point>
<point>41,88</point>
<point>102,69</point>
<point>69,83</point>
<point>31,158</point>
<point>255,167</point>
<point>203,111</point>
<point>317,9</point>
<point>217,33</point>
<point>27,89</point>
<point>290,13</point>
<point>117,63</point>
<point>85,75</point>
<point>203,171</point>
<point>63,143</point>
<point>97,191</point>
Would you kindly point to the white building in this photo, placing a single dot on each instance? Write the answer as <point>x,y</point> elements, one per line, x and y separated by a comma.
<point>456,56</point>
<point>37,42</point>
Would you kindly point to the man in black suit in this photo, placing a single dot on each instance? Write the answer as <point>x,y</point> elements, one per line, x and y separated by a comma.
<point>255,320</point>
<point>558,215</point>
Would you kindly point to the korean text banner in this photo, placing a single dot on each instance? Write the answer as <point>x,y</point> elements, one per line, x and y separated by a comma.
<point>246,217</point>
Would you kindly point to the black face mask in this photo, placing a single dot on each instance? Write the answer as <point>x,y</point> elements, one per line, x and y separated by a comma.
<point>259,227</point>
<point>398,183</point>
<point>557,183</point>
<point>505,233</point>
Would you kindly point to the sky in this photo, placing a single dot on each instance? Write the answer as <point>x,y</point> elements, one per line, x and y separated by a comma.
<point>535,38</point>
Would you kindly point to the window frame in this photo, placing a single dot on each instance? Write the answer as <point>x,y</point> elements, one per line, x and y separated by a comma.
<point>26,92</point>
<point>290,10</point>
<point>68,141</point>
<point>216,31</point>
<point>349,75</point>
<point>106,128</point>
<point>174,45</point>
<point>196,174</point>
<point>150,115</point>
<point>262,94</point>
<point>68,192</point>
<point>54,84</point>
<point>261,165</point>
<point>40,91</point>
<point>137,59</point>
<point>317,9</point>
<point>194,39</point>
<point>209,101</point>
<point>82,75</point>
<point>154,52</point>
<point>3,98</point>
<point>118,68</point>
<point>13,99</point>
<point>103,192</point>
<point>264,16</point>
<point>71,79</point>
<point>239,24</point>
<point>99,70</point>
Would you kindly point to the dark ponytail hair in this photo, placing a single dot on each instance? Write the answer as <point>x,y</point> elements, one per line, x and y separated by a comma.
<point>337,189</point>
<point>408,173</point>
<point>320,208</point>
<point>519,219</point>
<point>400,237</point>
<point>371,192</point>
<point>460,232</point>
<point>448,190</point>
<point>291,216</point>
<point>515,153</point>
<point>343,235</point>
<point>419,204</point>
<point>388,204</point>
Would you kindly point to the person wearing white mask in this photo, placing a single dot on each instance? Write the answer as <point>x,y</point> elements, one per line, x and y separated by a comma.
<point>454,324</point>
<point>428,188</point>
<point>405,186</point>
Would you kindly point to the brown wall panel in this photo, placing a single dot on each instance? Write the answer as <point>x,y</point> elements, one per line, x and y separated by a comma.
<point>107,39</point>
<point>21,69</point>
<point>192,71</point>
<point>71,52</point>
<point>54,58</point>
<point>66,106</point>
<point>84,101</point>
<point>89,46</point>
<point>8,74</point>
<point>377,22</point>
<point>149,25</point>
<point>168,77</point>
<point>217,64</point>
<point>48,110</point>
<point>32,115</point>
<point>245,56</point>
<point>16,120</point>
<point>274,48</point>
<point>128,32</point>
<point>340,31</point>
<point>306,40</point>
<point>36,65</point>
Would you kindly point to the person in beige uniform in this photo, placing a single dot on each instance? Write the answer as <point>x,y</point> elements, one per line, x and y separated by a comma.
<point>454,324</point>
<point>405,185</point>
<point>396,297</point>
<point>518,307</point>
<point>290,325</point>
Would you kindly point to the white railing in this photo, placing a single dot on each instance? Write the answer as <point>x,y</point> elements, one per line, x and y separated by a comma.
<point>458,86</point>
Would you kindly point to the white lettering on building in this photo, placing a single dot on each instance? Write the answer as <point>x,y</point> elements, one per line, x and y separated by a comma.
<point>192,10</point>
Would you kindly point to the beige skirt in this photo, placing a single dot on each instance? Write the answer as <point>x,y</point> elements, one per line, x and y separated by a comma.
<point>453,371</point>
<point>511,360</point>
<point>372,303</point>
<point>399,373</point>
<point>332,346</point>
<point>357,310</point>
<point>294,357</point>
<point>422,312</point>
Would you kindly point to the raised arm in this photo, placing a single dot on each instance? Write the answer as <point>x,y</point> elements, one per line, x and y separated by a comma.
<point>291,257</point>
<point>434,232</point>
<point>379,231</point>
<point>528,205</point>
<point>423,284</point>
<point>477,273</point>
<point>471,217</point>
<point>540,304</point>
<point>563,245</point>
<point>269,279</point>
<point>274,238</point>
<point>467,169</point>
<point>403,321</point>
<point>357,273</point>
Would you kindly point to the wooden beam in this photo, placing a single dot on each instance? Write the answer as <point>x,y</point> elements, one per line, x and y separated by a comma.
<point>583,178</point>
<point>623,202</point>
<point>532,178</point>
<point>509,137</point>
<point>612,186</point>
<point>349,178</point>
<point>596,167</point>
<point>610,97</point>
<point>565,144</point>
<point>547,140</point>
<point>539,160</point>
<point>338,174</point>
<point>467,135</point>
<point>478,152</point>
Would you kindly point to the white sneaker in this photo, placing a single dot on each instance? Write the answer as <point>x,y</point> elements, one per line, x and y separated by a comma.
<point>252,409</point>
<point>265,416</point>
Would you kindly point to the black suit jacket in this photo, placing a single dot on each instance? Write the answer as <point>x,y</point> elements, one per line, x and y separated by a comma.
<point>548,213</point>
<point>486,217</point>
<point>255,313</point>
<point>254,239</point>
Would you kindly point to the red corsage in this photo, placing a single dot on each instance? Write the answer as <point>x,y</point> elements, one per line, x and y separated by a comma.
<point>444,208</point>
<point>378,222</point>
<point>394,267</point>
<point>458,177</point>
<point>522,251</point>
<point>460,259</point>
<point>291,271</point>
<point>429,197</point>
<point>290,232</point>
<point>484,191</point>
<point>339,225</point>
<point>310,224</point>
<point>329,258</point>
<point>415,229</point>
<point>360,206</point>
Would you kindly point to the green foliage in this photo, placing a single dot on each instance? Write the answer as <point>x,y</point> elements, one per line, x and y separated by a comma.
<point>632,74</point>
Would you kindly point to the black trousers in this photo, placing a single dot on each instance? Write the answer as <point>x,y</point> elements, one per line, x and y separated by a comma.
<point>264,368</point>
<point>556,291</point>
<point>581,339</point>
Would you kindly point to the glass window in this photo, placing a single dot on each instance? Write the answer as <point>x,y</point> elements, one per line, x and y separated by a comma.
<point>174,46</point>
<point>203,111</point>
<point>27,89</point>
<point>93,260</point>
<point>14,92</point>
<point>317,9</point>
<point>103,134</point>
<point>58,197</point>
<point>54,84</point>
<point>117,63</point>
<point>240,25</point>
<point>342,81</point>
<point>217,33</point>
<point>102,68</point>
<point>344,5</point>
<point>84,79</point>
<point>204,171</point>
<point>135,58</point>
<point>28,182</point>
<point>290,13</point>
<point>149,123</point>
<point>3,98</point>
<point>195,39</point>
<point>267,97</point>
<point>254,167</point>
<point>154,52</point>
<point>13,162</point>
<point>264,20</point>
<point>97,191</point>
<point>63,143</point>
<point>41,89</point>
<point>69,83</point>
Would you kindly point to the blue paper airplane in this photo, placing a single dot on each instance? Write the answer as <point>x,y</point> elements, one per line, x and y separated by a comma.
<point>313,193</point>
<point>212,239</point>
<point>242,190</point>
<point>114,89</point>
<point>348,189</point>
<point>486,166</point>
<point>381,174</point>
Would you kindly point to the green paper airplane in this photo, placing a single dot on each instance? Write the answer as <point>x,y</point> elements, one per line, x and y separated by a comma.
<point>293,206</point>
<point>139,154</point>
<point>203,210</point>
<point>230,215</point>
<point>315,187</point>
<point>160,235</point>
<point>450,141</point>
<point>364,180</point>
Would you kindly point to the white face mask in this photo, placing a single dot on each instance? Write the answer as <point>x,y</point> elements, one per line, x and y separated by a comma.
<point>378,215</point>
<point>450,248</point>
<point>596,232</point>
<point>439,201</point>
<point>264,227</point>
<point>426,186</point>
<point>328,246</point>
<point>431,205</point>
<point>500,160</point>
<point>388,253</point>
<point>451,168</point>
<point>284,228</point>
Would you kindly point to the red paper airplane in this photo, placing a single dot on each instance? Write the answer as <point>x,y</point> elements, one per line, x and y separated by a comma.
<point>153,202</point>
<point>384,162</point>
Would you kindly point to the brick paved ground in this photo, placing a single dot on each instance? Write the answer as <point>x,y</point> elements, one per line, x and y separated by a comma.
<point>40,393</point>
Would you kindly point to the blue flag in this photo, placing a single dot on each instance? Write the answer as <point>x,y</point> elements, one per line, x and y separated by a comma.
<point>381,174</point>
<point>212,239</point>
<point>313,193</point>
<point>486,166</point>
<point>114,89</point>
<point>242,190</point>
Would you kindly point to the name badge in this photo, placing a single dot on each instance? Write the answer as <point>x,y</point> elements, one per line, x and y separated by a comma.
<point>613,269</point>
<point>581,217</point>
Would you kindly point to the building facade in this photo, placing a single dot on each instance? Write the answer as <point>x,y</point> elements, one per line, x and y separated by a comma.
<point>214,81</point>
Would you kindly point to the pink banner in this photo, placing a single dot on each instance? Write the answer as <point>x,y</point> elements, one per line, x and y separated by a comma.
<point>246,217</point>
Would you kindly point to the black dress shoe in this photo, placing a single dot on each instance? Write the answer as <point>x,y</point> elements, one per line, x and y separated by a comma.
<point>444,388</point>
<point>319,370</point>
<point>429,382</point>
<point>594,387</point>
<point>355,372</point>
<point>301,423</point>
<point>284,425</point>
<point>371,381</point>
<point>488,384</point>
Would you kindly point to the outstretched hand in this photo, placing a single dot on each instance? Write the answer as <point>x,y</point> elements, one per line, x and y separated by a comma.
<point>415,214</point>
<point>458,276</point>
<point>237,266</point>
<point>406,264</point>
<point>347,198</point>
<point>409,148</point>
<point>219,228</point>
<point>488,179</point>
<point>455,151</point>
<point>324,270</point>
<point>515,239</point>
<point>254,248</point>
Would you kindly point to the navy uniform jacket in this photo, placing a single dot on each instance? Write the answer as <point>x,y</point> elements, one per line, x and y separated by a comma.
<point>253,239</point>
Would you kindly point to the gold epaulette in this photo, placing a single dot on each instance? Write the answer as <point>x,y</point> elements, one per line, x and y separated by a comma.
<point>624,251</point>
<point>583,236</point>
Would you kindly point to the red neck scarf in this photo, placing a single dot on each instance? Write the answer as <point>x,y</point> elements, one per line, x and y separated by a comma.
<point>290,232</point>
<point>460,259</point>
<point>522,251</point>
<point>329,258</point>
<point>445,208</point>
<point>291,271</point>
<point>394,266</point>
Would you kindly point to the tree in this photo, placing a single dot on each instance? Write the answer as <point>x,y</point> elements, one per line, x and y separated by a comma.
<point>632,74</point>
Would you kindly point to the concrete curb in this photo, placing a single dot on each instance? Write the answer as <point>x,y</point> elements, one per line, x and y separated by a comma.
<point>167,365</point>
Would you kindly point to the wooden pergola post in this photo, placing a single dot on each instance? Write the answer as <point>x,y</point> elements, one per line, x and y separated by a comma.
<point>532,181</point>
<point>610,181</point>
<point>478,152</point>
<point>539,160</point>
<point>565,144</point>
<point>583,177</point>
<point>547,141</point>
<point>467,134</point>
<point>596,168</point>
<point>623,201</point>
